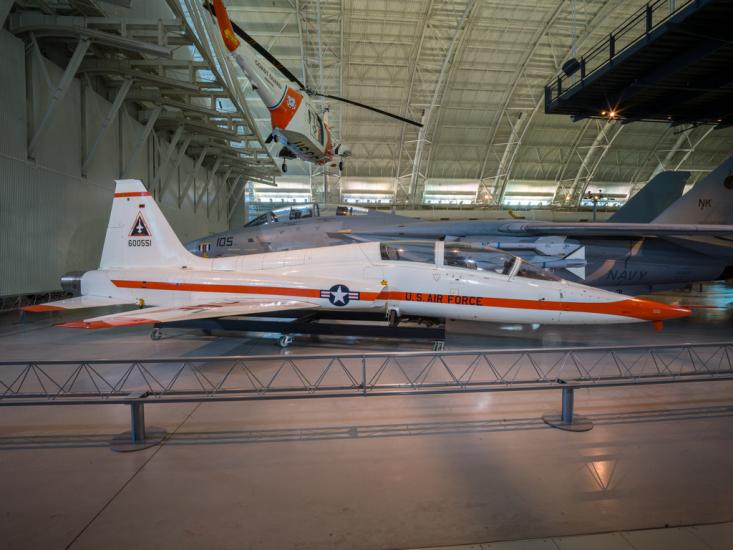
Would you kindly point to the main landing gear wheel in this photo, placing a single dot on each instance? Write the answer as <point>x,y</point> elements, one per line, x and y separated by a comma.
<point>284,168</point>
<point>393,318</point>
<point>285,340</point>
<point>341,166</point>
<point>156,334</point>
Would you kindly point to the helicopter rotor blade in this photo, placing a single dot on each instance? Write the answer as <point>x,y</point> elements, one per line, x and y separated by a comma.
<point>290,76</point>
<point>367,107</point>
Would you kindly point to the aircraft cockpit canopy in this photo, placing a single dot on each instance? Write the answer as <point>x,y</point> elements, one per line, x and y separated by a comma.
<point>464,256</point>
<point>408,251</point>
<point>286,214</point>
<point>347,210</point>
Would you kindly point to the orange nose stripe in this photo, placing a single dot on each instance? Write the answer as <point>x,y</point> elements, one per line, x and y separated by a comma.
<point>654,311</point>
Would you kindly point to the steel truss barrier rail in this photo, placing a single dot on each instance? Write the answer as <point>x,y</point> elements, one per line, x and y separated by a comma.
<point>242,378</point>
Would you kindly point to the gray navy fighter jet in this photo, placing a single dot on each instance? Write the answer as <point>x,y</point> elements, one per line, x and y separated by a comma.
<point>653,243</point>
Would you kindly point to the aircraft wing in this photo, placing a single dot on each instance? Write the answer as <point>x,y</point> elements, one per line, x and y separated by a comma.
<point>166,314</point>
<point>79,302</point>
<point>603,229</point>
<point>442,229</point>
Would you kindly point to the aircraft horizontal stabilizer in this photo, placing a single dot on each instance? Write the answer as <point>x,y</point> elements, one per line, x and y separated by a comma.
<point>79,302</point>
<point>167,314</point>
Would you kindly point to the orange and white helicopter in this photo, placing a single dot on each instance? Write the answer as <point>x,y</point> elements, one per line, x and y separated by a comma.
<point>296,122</point>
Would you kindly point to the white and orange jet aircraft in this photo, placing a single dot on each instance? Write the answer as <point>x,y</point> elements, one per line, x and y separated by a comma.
<point>144,264</point>
<point>296,123</point>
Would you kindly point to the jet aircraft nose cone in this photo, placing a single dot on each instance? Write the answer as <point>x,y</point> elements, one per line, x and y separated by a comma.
<point>657,311</point>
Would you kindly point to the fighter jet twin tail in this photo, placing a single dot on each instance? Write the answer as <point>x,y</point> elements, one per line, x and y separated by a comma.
<point>144,264</point>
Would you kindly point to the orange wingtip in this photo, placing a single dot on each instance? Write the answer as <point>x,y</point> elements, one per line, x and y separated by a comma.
<point>41,307</point>
<point>110,323</point>
<point>83,324</point>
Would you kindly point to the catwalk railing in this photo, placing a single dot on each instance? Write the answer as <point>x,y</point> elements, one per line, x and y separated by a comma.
<point>633,30</point>
<point>239,378</point>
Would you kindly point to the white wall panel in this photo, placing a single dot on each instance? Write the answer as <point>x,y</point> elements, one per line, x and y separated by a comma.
<point>12,96</point>
<point>53,220</point>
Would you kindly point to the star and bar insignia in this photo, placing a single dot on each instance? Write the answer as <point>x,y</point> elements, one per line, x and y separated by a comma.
<point>340,295</point>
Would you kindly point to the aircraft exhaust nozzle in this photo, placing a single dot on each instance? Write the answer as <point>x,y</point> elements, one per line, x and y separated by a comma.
<point>225,26</point>
<point>71,282</point>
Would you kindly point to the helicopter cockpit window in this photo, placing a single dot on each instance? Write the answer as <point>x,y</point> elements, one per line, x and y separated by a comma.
<point>408,251</point>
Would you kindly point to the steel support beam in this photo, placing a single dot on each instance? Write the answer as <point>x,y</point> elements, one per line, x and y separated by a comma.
<point>425,135</point>
<point>414,63</point>
<point>149,125</point>
<point>174,168</point>
<point>5,6</point>
<point>58,93</point>
<point>191,179</point>
<point>54,30</point>
<point>106,123</point>
<point>213,52</point>
<point>237,196</point>
<point>166,158</point>
<point>211,179</point>
<point>217,192</point>
<point>607,133</point>
<point>502,175</point>
<point>603,12</point>
<point>668,164</point>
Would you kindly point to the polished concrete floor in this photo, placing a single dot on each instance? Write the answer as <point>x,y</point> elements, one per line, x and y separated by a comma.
<point>376,473</point>
<point>716,536</point>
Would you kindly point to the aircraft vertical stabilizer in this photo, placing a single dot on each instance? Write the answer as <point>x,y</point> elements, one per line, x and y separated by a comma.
<point>138,235</point>
<point>656,196</point>
<point>710,201</point>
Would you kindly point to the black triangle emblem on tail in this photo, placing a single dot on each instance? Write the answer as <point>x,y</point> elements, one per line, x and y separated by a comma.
<point>140,227</point>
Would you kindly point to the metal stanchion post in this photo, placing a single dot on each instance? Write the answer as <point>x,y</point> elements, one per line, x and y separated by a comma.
<point>137,421</point>
<point>138,438</point>
<point>567,405</point>
<point>567,419</point>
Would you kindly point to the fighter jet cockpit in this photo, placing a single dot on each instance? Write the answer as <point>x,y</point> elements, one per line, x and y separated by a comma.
<point>349,210</point>
<point>287,214</point>
<point>297,212</point>
<point>463,255</point>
